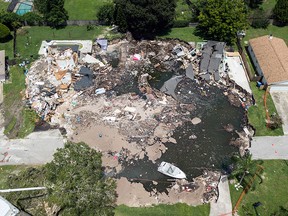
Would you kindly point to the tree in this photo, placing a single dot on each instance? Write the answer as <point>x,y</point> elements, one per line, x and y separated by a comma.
<point>145,18</point>
<point>105,14</point>
<point>8,18</point>
<point>253,4</point>
<point>280,11</point>
<point>244,167</point>
<point>259,19</point>
<point>220,20</point>
<point>56,17</point>
<point>75,184</point>
<point>32,18</point>
<point>4,31</point>
<point>53,11</point>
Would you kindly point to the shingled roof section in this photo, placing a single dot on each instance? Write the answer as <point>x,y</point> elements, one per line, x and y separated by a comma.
<point>272,56</point>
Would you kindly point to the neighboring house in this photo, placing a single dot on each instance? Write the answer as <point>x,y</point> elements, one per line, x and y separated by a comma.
<point>2,66</point>
<point>270,58</point>
<point>7,209</point>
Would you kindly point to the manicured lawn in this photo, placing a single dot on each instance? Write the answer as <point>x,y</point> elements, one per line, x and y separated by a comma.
<point>281,32</point>
<point>29,38</point>
<point>164,210</point>
<point>186,34</point>
<point>3,5</point>
<point>257,115</point>
<point>83,10</point>
<point>19,122</point>
<point>272,193</point>
<point>7,170</point>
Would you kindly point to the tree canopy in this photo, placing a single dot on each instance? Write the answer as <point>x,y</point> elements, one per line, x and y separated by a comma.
<point>4,31</point>
<point>144,18</point>
<point>53,10</point>
<point>220,20</point>
<point>244,167</point>
<point>75,184</point>
<point>281,11</point>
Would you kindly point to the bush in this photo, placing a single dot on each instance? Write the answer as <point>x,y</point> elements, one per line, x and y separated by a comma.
<point>90,27</point>
<point>32,18</point>
<point>106,14</point>
<point>180,23</point>
<point>281,11</point>
<point>4,31</point>
<point>275,122</point>
<point>259,19</point>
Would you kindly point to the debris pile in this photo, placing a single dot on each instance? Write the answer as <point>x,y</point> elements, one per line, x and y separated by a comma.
<point>114,86</point>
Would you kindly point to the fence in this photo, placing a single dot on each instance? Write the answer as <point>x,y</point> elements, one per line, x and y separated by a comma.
<point>82,22</point>
<point>245,61</point>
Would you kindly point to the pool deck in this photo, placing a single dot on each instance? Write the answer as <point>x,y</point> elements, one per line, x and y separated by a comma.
<point>237,72</point>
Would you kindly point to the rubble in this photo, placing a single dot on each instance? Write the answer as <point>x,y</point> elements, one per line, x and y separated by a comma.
<point>106,97</point>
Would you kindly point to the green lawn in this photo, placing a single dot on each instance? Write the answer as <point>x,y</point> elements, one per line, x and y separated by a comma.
<point>272,193</point>
<point>83,10</point>
<point>186,34</point>
<point>19,122</point>
<point>164,210</point>
<point>3,5</point>
<point>33,36</point>
<point>257,115</point>
<point>281,32</point>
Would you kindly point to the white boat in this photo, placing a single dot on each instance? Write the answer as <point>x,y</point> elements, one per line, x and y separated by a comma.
<point>171,170</point>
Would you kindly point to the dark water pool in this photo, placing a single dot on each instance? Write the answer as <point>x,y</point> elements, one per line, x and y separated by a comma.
<point>208,151</point>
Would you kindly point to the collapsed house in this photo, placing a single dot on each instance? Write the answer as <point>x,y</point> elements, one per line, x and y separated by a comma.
<point>211,59</point>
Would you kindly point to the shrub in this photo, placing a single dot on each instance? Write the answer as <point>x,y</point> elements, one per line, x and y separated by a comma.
<point>281,11</point>
<point>259,19</point>
<point>4,31</point>
<point>180,23</point>
<point>275,122</point>
<point>32,18</point>
<point>106,14</point>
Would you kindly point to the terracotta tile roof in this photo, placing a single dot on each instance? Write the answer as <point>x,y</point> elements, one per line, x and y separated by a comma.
<point>272,56</point>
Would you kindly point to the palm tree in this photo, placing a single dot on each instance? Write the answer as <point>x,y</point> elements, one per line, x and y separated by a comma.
<point>244,167</point>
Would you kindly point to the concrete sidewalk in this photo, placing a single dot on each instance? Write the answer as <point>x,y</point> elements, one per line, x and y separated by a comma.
<point>269,147</point>
<point>223,206</point>
<point>36,148</point>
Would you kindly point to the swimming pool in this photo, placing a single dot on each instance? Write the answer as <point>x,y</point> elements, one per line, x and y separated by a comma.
<point>24,7</point>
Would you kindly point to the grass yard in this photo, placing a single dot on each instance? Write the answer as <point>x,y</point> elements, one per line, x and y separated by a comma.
<point>83,10</point>
<point>19,122</point>
<point>272,193</point>
<point>257,115</point>
<point>186,34</point>
<point>29,38</point>
<point>281,32</point>
<point>164,210</point>
<point>3,5</point>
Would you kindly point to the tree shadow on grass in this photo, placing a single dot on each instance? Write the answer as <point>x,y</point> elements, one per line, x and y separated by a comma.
<point>6,39</point>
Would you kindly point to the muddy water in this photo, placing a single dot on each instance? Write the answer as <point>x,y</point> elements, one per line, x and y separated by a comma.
<point>208,151</point>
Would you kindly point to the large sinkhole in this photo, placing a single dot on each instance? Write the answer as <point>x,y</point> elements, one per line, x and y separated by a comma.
<point>209,151</point>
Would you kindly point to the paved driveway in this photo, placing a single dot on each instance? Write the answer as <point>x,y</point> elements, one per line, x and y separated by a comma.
<point>269,147</point>
<point>37,148</point>
<point>280,99</point>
